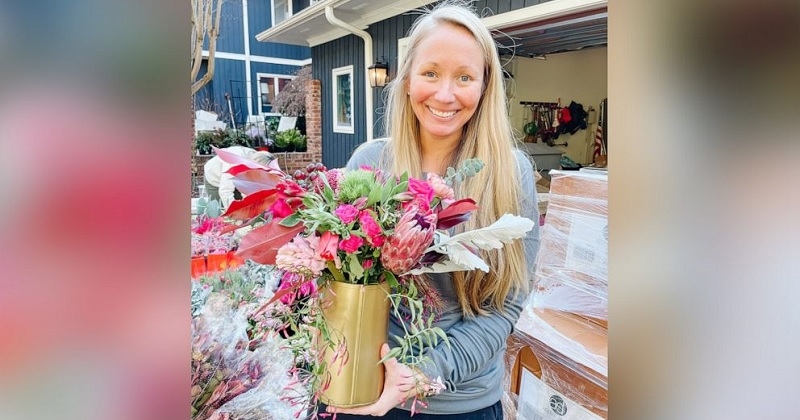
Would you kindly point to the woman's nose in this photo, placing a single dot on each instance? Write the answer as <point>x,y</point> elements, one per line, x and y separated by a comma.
<point>444,91</point>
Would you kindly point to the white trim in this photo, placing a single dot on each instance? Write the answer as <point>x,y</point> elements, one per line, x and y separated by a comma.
<point>259,76</point>
<point>248,80</point>
<point>391,8</point>
<point>549,10</point>
<point>339,71</point>
<point>260,59</point>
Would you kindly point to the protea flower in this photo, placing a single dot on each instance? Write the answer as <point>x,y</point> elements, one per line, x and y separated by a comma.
<point>412,235</point>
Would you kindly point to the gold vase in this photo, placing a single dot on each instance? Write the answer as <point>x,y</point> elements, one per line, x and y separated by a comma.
<point>359,315</point>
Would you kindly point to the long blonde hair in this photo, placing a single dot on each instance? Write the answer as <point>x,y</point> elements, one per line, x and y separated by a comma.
<point>488,136</point>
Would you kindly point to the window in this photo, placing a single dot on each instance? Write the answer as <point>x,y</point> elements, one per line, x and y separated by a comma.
<point>402,50</point>
<point>270,85</point>
<point>343,100</point>
<point>281,10</point>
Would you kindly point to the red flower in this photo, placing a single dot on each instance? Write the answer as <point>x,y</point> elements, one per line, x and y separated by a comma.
<point>328,246</point>
<point>351,244</point>
<point>280,208</point>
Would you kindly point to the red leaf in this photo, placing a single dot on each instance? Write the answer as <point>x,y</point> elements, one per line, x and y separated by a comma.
<point>253,180</point>
<point>456,213</point>
<point>261,244</point>
<point>252,205</point>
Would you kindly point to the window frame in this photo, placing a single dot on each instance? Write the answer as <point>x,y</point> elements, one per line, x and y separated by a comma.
<point>275,79</point>
<point>289,8</point>
<point>337,126</point>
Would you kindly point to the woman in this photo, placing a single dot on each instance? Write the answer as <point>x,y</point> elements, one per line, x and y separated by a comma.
<point>447,104</point>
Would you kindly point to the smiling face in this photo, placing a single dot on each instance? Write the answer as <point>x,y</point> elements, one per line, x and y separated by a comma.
<point>446,82</point>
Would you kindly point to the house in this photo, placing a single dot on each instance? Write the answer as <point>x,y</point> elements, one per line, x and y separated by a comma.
<point>347,37</point>
<point>248,74</point>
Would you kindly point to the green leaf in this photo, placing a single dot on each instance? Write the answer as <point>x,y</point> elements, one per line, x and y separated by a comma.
<point>401,187</point>
<point>327,192</point>
<point>374,196</point>
<point>391,279</point>
<point>291,220</point>
<point>355,267</point>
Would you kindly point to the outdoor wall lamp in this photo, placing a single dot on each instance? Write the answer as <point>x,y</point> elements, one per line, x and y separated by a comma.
<point>378,74</point>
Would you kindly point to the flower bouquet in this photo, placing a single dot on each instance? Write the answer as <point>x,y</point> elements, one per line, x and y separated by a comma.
<point>238,362</point>
<point>353,246</point>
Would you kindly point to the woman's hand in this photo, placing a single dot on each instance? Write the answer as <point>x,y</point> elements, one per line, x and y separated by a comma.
<point>400,383</point>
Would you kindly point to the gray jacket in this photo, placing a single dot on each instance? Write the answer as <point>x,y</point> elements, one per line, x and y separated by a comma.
<point>472,368</point>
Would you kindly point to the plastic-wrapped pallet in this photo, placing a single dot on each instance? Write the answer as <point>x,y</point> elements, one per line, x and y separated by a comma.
<point>572,266</point>
<point>558,368</point>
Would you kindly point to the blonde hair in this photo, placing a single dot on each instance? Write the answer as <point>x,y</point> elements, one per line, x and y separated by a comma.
<point>488,136</point>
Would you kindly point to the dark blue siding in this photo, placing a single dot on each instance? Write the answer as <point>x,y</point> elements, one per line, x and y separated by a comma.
<point>349,50</point>
<point>260,19</point>
<point>231,38</point>
<point>229,78</point>
<point>271,49</point>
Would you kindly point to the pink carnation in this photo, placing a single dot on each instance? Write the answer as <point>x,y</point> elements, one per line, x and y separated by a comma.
<point>371,228</point>
<point>347,213</point>
<point>351,244</point>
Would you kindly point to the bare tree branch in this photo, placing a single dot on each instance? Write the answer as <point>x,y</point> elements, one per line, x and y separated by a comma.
<point>206,17</point>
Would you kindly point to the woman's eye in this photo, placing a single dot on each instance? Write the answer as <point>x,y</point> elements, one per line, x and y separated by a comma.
<point>430,74</point>
<point>465,78</point>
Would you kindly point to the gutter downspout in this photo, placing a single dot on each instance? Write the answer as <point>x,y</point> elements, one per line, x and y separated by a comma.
<point>368,59</point>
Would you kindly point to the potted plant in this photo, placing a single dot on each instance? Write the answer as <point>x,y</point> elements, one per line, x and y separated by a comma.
<point>203,142</point>
<point>300,142</point>
<point>283,141</point>
<point>291,140</point>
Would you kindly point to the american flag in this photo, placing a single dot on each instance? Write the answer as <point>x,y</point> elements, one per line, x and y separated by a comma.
<point>600,145</point>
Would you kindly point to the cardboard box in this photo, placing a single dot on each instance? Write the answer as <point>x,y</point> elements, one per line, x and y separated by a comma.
<point>572,265</point>
<point>548,373</point>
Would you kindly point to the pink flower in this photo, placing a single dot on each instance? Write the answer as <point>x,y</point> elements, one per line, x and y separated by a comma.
<point>440,188</point>
<point>334,177</point>
<point>300,256</point>
<point>328,246</point>
<point>347,213</point>
<point>308,288</point>
<point>371,228</point>
<point>422,191</point>
<point>351,244</point>
<point>289,281</point>
<point>367,264</point>
<point>280,208</point>
<point>412,235</point>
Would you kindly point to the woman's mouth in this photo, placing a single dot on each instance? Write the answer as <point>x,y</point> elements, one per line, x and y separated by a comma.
<point>442,114</point>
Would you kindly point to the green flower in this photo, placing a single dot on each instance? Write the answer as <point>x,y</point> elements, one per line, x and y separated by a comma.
<point>356,184</point>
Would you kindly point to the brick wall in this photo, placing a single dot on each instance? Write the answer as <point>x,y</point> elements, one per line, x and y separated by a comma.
<point>289,162</point>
